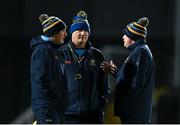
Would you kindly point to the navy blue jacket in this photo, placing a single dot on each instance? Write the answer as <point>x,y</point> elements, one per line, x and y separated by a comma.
<point>47,90</point>
<point>90,90</point>
<point>135,83</point>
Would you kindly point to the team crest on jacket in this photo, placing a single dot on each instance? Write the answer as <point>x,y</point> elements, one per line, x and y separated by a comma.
<point>67,62</point>
<point>92,62</point>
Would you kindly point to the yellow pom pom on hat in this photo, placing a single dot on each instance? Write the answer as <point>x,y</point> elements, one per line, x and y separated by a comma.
<point>80,22</point>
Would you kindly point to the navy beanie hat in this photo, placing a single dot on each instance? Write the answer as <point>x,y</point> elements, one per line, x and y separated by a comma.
<point>51,25</point>
<point>137,30</point>
<point>80,22</point>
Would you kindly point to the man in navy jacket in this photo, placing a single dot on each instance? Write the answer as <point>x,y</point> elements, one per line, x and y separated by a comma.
<point>88,88</point>
<point>135,79</point>
<point>47,90</point>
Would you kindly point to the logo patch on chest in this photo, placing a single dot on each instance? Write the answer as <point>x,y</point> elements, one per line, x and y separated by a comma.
<point>67,62</point>
<point>92,62</point>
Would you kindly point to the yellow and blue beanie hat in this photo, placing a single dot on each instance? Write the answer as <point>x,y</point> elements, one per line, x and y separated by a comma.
<point>51,25</point>
<point>137,30</point>
<point>80,22</point>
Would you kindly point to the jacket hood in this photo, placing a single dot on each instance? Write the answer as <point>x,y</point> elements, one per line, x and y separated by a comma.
<point>36,41</point>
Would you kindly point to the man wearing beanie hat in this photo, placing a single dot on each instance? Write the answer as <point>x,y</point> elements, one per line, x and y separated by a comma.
<point>46,93</point>
<point>135,79</point>
<point>88,89</point>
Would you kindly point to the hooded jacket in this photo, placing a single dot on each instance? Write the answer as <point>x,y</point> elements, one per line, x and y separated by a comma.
<point>47,90</point>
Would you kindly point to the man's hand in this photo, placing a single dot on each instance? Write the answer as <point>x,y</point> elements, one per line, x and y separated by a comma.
<point>108,67</point>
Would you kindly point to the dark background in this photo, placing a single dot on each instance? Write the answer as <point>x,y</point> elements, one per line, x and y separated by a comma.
<point>19,22</point>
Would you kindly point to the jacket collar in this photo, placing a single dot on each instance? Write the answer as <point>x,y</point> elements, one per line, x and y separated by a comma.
<point>137,43</point>
<point>49,40</point>
<point>88,53</point>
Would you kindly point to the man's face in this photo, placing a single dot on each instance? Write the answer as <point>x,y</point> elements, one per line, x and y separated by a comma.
<point>59,37</point>
<point>80,37</point>
<point>127,41</point>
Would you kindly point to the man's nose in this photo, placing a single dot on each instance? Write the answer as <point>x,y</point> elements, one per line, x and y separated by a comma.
<point>82,32</point>
<point>65,33</point>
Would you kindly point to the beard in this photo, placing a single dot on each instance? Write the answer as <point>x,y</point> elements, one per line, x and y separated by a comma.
<point>61,42</point>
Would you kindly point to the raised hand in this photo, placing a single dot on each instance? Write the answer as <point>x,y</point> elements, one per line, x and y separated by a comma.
<point>108,67</point>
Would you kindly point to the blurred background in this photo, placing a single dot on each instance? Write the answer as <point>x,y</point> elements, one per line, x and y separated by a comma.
<point>19,23</point>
